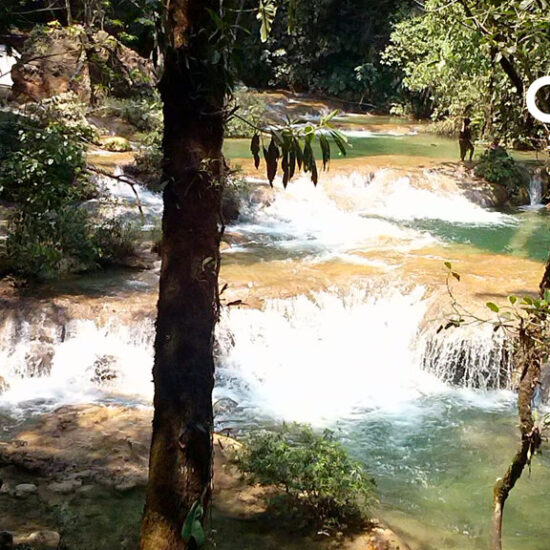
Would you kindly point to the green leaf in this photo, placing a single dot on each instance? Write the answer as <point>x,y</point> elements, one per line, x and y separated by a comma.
<point>340,140</point>
<point>192,526</point>
<point>448,265</point>
<point>255,149</point>
<point>266,15</point>
<point>325,149</point>
<point>512,299</point>
<point>493,307</point>
<point>271,158</point>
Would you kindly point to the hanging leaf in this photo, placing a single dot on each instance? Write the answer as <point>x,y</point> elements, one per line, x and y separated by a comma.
<point>255,149</point>
<point>266,15</point>
<point>286,169</point>
<point>192,526</point>
<point>271,158</point>
<point>340,140</point>
<point>292,162</point>
<point>299,153</point>
<point>493,307</point>
<point>325,150</point>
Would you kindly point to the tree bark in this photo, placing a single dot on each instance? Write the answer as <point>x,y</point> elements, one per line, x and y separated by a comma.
<point>529,362</point>
<point>193,92</point>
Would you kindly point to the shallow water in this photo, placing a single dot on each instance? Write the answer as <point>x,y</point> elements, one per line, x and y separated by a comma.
<point>346,276</point>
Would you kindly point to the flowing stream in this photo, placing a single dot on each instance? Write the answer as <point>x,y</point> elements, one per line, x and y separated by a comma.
<point>349,276</point>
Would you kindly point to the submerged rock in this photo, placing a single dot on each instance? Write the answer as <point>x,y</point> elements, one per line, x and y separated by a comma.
<point>65,487</point>
<point>25,489</point>
<point>39,539</point>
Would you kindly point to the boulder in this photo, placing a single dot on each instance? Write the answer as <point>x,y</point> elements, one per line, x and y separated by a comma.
<point>116,144</point>
<point>56,60</point>
<point>53,61</point>
<point>39,539</point>
<point>25,489</point>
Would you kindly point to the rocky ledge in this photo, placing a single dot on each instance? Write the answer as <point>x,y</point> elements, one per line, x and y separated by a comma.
<point>86,465</point>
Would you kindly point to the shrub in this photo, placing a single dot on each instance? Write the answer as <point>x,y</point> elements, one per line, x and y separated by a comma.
<point>45,245</point>
<point>144,113</point>
<point>315,471</point>
<point>66,110</point>
<point>497,166</point>
<point>115,240</point>
<point>41,167</point>
<point>42,170</point>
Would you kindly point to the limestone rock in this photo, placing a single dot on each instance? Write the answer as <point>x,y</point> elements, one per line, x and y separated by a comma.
<point>65,487</point>
<point>116,144</point>
<point>53,61</point>
<point>56,60</point>
<point>39,539</point>
<point>25,489</point>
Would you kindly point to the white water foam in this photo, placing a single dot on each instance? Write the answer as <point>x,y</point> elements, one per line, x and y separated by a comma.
<point>78,362</point>
<point>325,219</point>
<point>403,198</point>
<point>322,357</point>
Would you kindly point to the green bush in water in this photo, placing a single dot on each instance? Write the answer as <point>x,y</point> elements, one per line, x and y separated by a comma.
<point>45,245</point>
<point>43,172</point>
<point>497,166</point>
<point>319,478</point>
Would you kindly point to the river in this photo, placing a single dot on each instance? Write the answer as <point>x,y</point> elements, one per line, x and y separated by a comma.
<point>344,288</point>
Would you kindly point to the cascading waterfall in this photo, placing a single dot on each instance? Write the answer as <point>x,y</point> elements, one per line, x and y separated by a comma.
<point>480,360</point>
<point>316,358</point>
<point>535,191</point>
<point>47,363</point>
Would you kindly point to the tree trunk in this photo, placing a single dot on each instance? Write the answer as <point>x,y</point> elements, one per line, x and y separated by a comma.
<point>529,363</point>
<point>193,92</point>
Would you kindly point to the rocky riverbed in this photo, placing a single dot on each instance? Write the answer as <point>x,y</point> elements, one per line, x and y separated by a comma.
<point>75,479</point>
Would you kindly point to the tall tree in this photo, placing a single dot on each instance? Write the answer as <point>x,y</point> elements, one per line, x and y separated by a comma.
<point>193,89</point>
<point>195,85</point>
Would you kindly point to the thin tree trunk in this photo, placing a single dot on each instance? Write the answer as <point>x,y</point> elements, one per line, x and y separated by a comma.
<point>69,12</point>
<point>193,92</point>
<point>529,361</point>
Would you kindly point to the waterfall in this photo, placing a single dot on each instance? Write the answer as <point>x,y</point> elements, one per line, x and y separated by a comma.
<point>314,358</point>
<point>333,355</point>
<point>46,361</point>
<point>476,359</point>
<point>535,191</point>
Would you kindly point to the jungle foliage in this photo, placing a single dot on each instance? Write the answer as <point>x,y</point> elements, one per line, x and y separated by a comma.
<point>476,59</point>
<point>43,176</point>
<point>332,47</point>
